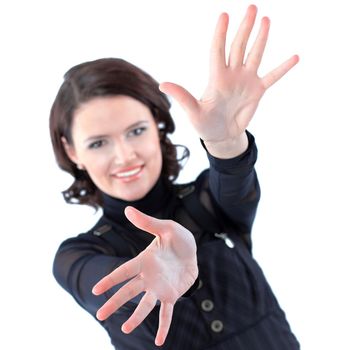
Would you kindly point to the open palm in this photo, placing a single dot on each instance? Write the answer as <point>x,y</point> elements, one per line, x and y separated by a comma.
<point>234,88</point>
<point>165,270</point>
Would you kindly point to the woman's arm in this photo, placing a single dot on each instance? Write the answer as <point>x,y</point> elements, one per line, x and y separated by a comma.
<point>82,261</point>
<point>224,112</point>
<point>234,186</point>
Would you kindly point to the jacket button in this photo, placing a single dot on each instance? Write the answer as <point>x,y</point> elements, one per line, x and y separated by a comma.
<point>217,326</point>
<point>207,305</point>
<point>200,284</point>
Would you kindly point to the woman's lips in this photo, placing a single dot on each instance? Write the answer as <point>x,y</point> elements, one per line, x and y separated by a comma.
<point>129,174</point>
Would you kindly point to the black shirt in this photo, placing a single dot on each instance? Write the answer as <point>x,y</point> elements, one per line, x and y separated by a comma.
<point>231,305</point>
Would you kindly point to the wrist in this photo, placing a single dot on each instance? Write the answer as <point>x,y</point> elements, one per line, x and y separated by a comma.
<point>227,149</point>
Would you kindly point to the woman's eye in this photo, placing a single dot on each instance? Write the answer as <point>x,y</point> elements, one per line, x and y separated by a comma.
<point>137,131</point>
<point>96,144</point>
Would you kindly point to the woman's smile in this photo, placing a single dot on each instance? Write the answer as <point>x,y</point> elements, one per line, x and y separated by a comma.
<point>129,174</point>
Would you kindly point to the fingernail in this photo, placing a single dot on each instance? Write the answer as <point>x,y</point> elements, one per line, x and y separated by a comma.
<point>98,316</point>
<point>158,342</point>
<point>125,329</point>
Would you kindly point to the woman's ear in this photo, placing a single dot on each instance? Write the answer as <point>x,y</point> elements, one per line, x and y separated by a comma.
<point>70,151</point>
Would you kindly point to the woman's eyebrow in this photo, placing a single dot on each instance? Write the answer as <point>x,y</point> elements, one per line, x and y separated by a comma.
<point>134,125</point>
<point>94,137</point>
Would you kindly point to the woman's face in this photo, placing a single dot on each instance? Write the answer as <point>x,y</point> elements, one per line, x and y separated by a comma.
<point>116,140</point>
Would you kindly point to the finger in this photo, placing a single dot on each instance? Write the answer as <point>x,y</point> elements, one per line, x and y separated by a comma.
<point>255,55</point>
<point>279,72</point>
<point>123,295</point>
<point>144,222</point>
<point>146,305</point>
<point>217,52</point>
<point>181,95</point>
<point>165,316</point>
<point>124,272</point>
<point>239,43</point>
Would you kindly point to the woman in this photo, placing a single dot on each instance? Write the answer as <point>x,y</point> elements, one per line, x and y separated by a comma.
<point>168,261</point>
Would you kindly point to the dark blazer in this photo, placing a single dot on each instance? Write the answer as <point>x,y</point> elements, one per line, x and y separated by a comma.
<point>231,305</point>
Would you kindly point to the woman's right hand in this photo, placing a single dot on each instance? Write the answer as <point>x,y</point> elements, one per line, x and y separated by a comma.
<point>165,270</point>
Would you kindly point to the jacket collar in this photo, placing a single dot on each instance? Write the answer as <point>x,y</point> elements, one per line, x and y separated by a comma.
<point>152,204</point>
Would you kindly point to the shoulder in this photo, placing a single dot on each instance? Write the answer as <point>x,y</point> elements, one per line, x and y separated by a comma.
<point>196,194</point>
<point>91,237</point>
<point>101,227</point>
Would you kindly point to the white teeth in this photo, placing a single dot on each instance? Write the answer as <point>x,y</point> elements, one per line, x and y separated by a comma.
<point>129,173</point>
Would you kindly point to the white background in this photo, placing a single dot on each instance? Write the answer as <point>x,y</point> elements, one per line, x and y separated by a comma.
<point>301,128</point>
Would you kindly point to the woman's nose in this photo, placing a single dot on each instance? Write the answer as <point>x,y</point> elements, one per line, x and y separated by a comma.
<point>123,153</point>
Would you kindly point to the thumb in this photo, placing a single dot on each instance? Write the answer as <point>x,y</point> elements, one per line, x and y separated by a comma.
<point>143,221</point>
<point>181,95</point>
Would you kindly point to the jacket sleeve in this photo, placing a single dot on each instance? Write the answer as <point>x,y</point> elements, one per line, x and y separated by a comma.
<point>234,186</point>
<point>80,263</point>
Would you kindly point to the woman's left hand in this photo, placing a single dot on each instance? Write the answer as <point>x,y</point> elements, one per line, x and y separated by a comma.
<point>234,90</point>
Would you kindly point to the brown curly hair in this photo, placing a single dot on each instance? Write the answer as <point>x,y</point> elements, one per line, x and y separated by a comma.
<point>108,77</point>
